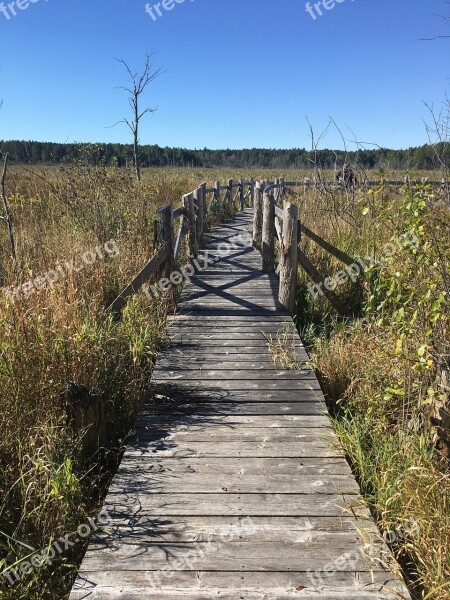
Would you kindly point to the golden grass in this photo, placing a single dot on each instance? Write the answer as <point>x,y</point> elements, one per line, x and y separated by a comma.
<point>63,333</point>
<point>379,371</point>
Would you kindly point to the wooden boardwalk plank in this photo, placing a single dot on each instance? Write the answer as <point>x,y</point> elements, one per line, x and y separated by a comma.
<point>240,422</point>
<point>234,486</point>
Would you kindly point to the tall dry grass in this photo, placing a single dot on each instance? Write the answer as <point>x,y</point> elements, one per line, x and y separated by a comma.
<point>379,370</point>
<point>63,333</point>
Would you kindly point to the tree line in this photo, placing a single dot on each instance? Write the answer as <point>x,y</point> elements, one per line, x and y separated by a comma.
<point>48,153</point>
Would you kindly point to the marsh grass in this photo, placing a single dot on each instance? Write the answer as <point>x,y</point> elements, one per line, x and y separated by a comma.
<point>378,371</point>
<point>283,349</point>
<point>63,333</point>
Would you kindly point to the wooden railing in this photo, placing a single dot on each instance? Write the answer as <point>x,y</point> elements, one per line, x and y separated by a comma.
<point>188,222</point>
<point>366,183</point>
<point>271,224</point>
<point>275,224</point>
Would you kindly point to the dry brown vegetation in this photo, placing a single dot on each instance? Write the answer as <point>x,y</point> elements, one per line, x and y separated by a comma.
<point>63,333</point>
<point>382,372</point>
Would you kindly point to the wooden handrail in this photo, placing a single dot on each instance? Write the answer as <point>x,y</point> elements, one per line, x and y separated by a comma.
<point>271,222</point>
<point>192,214</point>
<point>279,213</point>
<point>142,277</point>
<point>363,183</point>
<point>339,254</point>
<point>311,270</point>
<point>178,240</point>
<point>178,212</point>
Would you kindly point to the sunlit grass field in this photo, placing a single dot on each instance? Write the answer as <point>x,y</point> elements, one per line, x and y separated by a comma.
<point>379,370</point>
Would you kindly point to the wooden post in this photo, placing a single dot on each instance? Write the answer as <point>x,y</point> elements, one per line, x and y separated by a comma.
<point>276,191</point>
<point>230,192</point>
<point>268,233</point>
<point>252,191</point>
<point>281,188</point>
<point>85,416</point>
<point>242,194</point>
<point>198,200</point>
<point>189,207</point>
<point>164,233</point>
<point>288,260</point>
<point>257,216</point>
<point>205,208</point>
<point>217,192</point>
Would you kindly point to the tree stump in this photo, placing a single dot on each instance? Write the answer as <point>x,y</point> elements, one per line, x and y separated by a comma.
<point>85,416</point>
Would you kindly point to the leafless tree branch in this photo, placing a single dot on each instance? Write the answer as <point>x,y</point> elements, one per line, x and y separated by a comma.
<point>139,83</point>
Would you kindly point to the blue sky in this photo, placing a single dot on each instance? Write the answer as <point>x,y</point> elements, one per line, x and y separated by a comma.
<point>238,73</point>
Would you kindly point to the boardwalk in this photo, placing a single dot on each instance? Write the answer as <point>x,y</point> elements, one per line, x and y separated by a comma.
<point>235,488</point>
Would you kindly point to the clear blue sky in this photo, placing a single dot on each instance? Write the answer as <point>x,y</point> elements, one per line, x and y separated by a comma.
<point>238,73</point>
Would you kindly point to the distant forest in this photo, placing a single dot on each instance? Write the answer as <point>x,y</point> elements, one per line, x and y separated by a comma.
<point>22,152</point>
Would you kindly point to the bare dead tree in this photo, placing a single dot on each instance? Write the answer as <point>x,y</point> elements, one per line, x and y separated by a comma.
<point>327,191</point>
<point>314,160</point>
<point>139,83</point>
<point>7,215</point>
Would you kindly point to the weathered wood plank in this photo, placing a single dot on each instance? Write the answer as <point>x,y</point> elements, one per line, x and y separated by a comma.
<point>239,327</point>
<point>339,254</point>
<point>242,556</point>
<point>258,342</point>
<point>239,466</point>
<point>225,362</point>
<point>311,270</point>
<point>219,335</point>
<point>144,275</point>
<point>254,449</point>
<point>255,421</point>
<point>211,374</point>
<point>205,409</point>
<point>220,350</point>
<point>221,434</point>
<point>252,359</point>
<point>134,592</point>
<point>271,529</point>
<point>248,318</point>
<point>263,505</point>
<point>214,385</point>
<point>168,475</point>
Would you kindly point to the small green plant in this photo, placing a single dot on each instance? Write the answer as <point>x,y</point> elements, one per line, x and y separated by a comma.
<point>284,349</point>
<point>379,371</point>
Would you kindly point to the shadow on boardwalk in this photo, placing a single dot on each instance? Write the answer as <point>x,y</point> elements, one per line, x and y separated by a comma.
<point>234,485</point>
